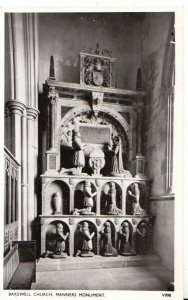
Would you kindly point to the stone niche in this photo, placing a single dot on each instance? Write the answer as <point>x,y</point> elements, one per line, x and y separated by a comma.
<point>79,196</point>
<point>51,238</point>
<point>130,200</point>
<point>62,189</point>
<point>105,198</point>
<point>78,240</point>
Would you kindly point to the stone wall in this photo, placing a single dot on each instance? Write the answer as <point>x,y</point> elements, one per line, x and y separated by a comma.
<point>156,47</point>
<point>64,35</point>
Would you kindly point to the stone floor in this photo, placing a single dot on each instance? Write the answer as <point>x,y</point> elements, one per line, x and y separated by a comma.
<point>148,278</point>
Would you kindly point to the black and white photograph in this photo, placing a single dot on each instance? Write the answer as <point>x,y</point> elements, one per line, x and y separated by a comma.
<point>89,157</point>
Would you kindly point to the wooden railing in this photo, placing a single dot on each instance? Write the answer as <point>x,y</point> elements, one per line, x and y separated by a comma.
<point>11,172</point>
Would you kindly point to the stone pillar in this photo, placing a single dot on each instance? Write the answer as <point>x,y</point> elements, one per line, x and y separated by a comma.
<point>140,159</point>
<point>24,184</point>
<point>31,116</point>
<point>98,203</point>
<point>16,110</point>
<point>52,153</point>
<point>124,192</point>
<point>53,102</point>
<point>139,131</point>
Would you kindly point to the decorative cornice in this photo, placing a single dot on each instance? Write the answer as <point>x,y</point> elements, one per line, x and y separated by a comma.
<point>81,90</point>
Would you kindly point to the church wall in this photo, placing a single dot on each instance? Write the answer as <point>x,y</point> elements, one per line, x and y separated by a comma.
<point>156,36</point>
<point>163,240</point>
<point>65,35</point>
<point>157,30</point>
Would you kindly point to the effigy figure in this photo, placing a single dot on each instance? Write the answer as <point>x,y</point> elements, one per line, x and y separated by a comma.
<point>88,200</point>
<point>113,209</point>
<point>107,248</point>
<point>135,195</point>
<point>125,247</point>
<point>78,156</point>
<point>141,239</point>
<point>116,168</point>
<point>78,160</point>
<point>105,199</point>
<point>86,241</point>
<point>60,251</point>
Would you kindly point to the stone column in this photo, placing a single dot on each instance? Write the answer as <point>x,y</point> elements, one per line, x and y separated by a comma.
<point>31,117</point>
<point>139,131</point>
<point>16,110</point>
<point>52,153</point>
<point>140,159</point>
<point>124,193</point>
<point>24,184</point>
<point>53,101</point>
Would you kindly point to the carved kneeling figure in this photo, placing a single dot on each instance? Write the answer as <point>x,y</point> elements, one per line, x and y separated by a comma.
<point>125,247</point>
<point>107,248</point>
<point>86,241</point>
<point>60,251</point>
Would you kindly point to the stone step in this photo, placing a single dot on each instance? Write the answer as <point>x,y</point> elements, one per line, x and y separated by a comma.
<point>95,262</point>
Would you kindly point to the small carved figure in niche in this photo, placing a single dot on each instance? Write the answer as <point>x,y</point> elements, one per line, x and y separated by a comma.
<point>125,247</point>
<point>142,238</point>
<point>109,200</point>
<point>96,160</point>
<point>135,196</point>
<point>78,156</point>
<point>88,200</point>
<point>57,201</point>
<point>88,196</point>
<point>116,168</point>
<point>60,251</point>
<point>105,199</point>
<point>86,241</point>
<point>113,209</point>
<point>107,248</point>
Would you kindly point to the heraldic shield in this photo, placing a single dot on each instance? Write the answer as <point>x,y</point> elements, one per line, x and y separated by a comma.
<point>97,78</point>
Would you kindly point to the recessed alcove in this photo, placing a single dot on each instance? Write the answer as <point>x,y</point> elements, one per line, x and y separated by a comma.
<point>78,237</point>
<point>143,238</point>
<point>79,196</point>
<point>113,236</point>
<point>130,240</point>
<point>130,199</point>
<point>105,198</point>
<point>60,187</point>
<point>51,238</point>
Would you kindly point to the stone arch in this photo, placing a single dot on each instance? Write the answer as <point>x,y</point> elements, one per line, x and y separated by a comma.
<point>142,200</point>
<point>53,186</point>
<point>118,195</point>
<point>79,195</point>
<point>114,116</point>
